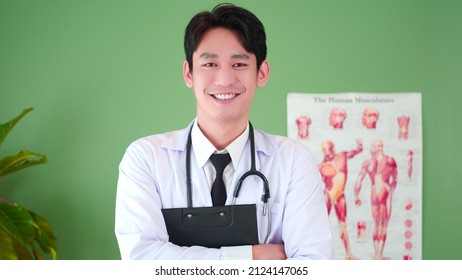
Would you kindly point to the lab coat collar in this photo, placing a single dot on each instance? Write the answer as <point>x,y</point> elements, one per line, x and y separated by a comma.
<point>177,140</point>
<point>204,148</point>
<point>262,143</point>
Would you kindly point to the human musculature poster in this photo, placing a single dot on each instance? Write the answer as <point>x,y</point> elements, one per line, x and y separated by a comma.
<point>368,148</point>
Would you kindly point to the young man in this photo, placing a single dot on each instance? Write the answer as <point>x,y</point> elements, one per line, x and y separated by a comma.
<point>225,63</point>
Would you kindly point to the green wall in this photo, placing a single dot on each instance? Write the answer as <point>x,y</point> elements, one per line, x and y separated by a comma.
<point>101,74</point>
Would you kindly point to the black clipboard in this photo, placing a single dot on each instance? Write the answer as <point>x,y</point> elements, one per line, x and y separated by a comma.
<point>217,226</point>
<point>212,227</point>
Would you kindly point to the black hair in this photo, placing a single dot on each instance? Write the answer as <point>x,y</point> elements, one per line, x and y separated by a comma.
<point>229,16</point>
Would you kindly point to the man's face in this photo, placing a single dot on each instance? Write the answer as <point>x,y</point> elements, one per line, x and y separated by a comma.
<point>224,77</point>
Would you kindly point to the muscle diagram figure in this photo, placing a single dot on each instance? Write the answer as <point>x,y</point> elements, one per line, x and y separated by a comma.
<point>303,125</point>
<point>383,172</point>
<point>410,154</point>
<point>370,118</point>
<point>403,124</point>
<point>334,171</point>
<point>337,117</point>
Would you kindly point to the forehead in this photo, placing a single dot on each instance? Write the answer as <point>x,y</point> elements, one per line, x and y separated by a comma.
<point>221,42</point>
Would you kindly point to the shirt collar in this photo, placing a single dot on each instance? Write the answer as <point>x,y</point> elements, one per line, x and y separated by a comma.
<point>203,148</point>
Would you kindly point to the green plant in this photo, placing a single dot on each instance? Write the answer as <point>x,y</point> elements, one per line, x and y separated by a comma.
<point>22,232</point>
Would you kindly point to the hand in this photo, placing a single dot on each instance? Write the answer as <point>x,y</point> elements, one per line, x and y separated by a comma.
<point>268,252</point>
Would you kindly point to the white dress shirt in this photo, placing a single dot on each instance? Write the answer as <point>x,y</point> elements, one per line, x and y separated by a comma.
<point>152,177</point>
<point>204,149</point>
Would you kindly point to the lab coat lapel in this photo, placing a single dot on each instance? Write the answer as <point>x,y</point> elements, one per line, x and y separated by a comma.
<point>177,141</point>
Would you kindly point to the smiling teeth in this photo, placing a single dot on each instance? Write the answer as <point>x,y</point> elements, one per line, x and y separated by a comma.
<point>225,96</point>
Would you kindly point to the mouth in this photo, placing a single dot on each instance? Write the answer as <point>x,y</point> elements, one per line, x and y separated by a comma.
<point>223,96</point>
<point>225,93</point>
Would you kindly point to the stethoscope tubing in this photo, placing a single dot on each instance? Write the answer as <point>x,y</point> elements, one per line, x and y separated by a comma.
<point>252,172</point>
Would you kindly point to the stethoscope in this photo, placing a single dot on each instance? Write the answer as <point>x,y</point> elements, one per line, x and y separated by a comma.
<point>253,171</point>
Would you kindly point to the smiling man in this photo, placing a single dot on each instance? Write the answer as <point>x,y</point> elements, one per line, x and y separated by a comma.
<point>225,64</point>
<point>224,76</point>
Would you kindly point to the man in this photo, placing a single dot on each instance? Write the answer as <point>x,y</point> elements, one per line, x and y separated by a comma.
<point>383,172</point>
<point>334,172</point>
<point>225,63</point>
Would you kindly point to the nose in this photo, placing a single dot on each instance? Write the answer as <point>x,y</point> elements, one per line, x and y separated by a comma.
<point>225,77</point>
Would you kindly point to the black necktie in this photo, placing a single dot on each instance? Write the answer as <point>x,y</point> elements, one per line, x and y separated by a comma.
<point>219,161</point>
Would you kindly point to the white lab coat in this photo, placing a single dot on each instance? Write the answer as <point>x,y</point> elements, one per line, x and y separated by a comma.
<point>152,176</point>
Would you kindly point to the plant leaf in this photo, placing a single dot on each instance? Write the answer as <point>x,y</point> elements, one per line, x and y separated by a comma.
<point>21,250</point>
<point>44,237</point>
<point>37,254</point>
<point>16,220</point>
<point>23,159</point>
<point>7,251</point>
<point>7,127</point>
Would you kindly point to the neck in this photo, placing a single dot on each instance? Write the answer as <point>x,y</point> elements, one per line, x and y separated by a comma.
<point>221,134</point>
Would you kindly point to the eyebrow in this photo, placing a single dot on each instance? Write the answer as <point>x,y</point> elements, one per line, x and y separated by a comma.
<point>207,55</point>
<point>240,56</point>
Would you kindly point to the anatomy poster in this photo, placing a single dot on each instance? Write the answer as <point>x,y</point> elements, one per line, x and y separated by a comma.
<point>368,148</point>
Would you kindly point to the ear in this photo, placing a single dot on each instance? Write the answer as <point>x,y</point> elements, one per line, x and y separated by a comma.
<point>263,74</point>
<point>187,74</point>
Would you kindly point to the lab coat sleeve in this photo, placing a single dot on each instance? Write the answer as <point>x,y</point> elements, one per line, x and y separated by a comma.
<point>139,224</point>
<point>306,229</point>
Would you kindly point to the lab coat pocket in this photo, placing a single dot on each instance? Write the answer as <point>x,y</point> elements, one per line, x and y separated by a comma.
<point>274,207</point>
<point>270,232</point>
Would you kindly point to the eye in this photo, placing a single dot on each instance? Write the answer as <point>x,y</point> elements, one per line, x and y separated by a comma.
<point>209,64</point>
<point>239,65</point>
